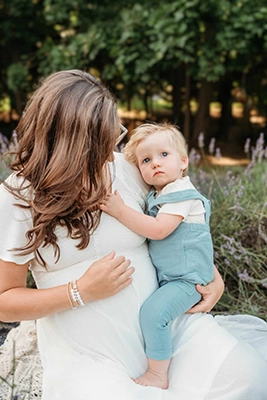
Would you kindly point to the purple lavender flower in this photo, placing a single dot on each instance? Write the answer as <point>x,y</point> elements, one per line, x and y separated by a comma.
<point>240,191</point>
<point>194,156</point>
<point>260,142</point>
<point>3,143</point>
<point>247,146</point>
<point>245,277</point>
<point>261,155</point>
<point>218,153</point>
<point>201,143</point>
<point>211,145</point>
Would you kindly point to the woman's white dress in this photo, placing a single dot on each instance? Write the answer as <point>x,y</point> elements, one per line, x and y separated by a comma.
<point>92,352</point>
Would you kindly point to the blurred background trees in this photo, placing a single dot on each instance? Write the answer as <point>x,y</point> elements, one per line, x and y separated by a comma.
<point>199,64</point>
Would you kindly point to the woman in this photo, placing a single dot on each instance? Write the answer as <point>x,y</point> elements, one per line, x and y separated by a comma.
<point>88,298</point>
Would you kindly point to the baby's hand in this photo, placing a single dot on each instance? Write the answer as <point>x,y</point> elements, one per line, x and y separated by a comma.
<point>112,204</point>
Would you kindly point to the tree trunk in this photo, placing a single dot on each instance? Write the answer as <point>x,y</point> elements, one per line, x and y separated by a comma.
<point>225,98</point>
<point>187,107</point>
<point>247,131</point>
<point>19,102</point>
<point>146,106</point>
<point>177,84</point>
<point>202,118</point>
<point>129,101</point>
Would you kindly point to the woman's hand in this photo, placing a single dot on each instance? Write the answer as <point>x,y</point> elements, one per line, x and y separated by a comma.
<point>211,294</point>
<point>105,277</point>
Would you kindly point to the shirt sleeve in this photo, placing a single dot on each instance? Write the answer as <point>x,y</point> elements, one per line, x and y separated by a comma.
<point>179,208</point>
<point>187,208</point>
<point>14,224</point>
<point>182,208</point>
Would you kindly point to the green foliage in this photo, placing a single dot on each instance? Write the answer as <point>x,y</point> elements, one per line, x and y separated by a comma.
<point>17,75</point>
<point>4,147</point>
<point>22,32</point>
<point>4,170</point>
<point>138,47</point>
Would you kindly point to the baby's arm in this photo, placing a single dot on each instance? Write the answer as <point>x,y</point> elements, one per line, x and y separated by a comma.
<point>153,228</point>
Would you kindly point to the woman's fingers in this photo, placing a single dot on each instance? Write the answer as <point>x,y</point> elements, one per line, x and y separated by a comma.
<point>106,277</point>
<point>211,293</point>
<point>207,302</point>
<point>204,290</point>
<point>108,257</point>
<point>202,306</point>
<point>121,272</point>
<point>124,285</point>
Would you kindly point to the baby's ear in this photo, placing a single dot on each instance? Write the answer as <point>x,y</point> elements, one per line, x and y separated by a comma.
<point>185,161</point>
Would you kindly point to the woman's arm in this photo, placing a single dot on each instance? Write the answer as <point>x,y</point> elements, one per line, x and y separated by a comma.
<point>104,278</point>
<point>152,228</point>
<point>211,294</point>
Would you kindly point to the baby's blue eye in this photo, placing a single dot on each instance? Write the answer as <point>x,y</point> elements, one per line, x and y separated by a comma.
<point>164,154</point>
<point>146,160</point>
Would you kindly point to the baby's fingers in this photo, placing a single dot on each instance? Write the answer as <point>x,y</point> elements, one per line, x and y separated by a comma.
<point>116,193</point>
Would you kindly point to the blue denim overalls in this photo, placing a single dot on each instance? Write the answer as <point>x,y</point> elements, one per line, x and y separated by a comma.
<point>182,259</point>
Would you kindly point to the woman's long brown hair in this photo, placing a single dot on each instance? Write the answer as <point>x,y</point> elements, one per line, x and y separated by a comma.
<point>66,135</point>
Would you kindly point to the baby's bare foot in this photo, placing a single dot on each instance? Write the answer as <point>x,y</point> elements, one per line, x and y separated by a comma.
<point>152,378</point>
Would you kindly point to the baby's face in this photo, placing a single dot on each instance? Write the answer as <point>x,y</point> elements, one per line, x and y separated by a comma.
<point>158,161</point>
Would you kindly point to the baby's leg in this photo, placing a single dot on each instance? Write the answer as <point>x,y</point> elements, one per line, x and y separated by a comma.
<point>163,306</point>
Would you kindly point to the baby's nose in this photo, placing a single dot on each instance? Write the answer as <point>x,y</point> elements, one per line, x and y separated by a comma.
<point>155,162</point>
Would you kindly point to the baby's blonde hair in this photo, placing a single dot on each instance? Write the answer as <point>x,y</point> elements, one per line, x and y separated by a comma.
<point>175,137</point>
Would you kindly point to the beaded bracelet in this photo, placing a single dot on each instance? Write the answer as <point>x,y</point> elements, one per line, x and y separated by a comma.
<point>68,293</point>
<point>74,295</point>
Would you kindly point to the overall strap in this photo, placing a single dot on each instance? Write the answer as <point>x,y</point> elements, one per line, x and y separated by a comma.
<point>178,196</point>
